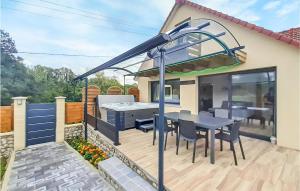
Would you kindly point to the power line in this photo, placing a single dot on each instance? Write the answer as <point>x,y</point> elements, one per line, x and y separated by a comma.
<point>25,11</point>
<point>91,16</point>
<point>50,16</point>
<point>63,54</point>
<point>101,15</point>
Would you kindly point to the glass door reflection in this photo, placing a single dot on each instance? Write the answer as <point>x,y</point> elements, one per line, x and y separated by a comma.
<point>253,101</point>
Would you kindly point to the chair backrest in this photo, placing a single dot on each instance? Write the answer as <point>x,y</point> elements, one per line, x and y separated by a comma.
<point>187,129</point>
<point>185,112</point>
<point>234,131</point>
<point>156,122</point>
<point>205,113</point>
<point>224,113</point>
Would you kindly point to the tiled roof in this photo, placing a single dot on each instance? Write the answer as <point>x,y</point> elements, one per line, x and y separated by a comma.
<point>293,33</point>
<point>278,36</point>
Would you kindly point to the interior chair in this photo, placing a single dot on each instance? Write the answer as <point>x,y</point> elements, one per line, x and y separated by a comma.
<point>168,128</point>
<point>185,112</point>
<point>188,132</point>
<point>231,136</point>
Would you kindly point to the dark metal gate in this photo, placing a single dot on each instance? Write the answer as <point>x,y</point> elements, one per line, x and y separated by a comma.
<point>40,123</point>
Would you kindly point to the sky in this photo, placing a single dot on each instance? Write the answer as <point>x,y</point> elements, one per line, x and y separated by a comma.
<point>106,28</point>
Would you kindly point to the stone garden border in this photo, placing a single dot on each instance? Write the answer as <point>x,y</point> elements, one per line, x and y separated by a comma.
<point>10,162</point>
<point>113,183</point>
<point>100,140</point>
<point>7,143</point>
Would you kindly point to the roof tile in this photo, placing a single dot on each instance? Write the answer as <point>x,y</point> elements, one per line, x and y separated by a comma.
<point>250,26</point>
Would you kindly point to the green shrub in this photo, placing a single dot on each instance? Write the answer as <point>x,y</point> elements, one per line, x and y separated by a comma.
<point>3,164</point>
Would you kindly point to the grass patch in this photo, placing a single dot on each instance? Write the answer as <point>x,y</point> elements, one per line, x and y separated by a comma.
<point>89,151</point>
<point>3,165</point>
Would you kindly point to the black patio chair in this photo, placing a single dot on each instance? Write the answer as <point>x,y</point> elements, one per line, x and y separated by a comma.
<point>168,128</point>
<point>206,114</point>
<point>231,136</point>
<point>187,131</point>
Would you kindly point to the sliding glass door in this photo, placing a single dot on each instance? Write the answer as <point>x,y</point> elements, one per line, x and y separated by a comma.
<point>248,96</point>
<point>253,98</point>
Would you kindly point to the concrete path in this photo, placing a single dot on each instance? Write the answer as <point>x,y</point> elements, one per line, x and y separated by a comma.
<point>53,166</point>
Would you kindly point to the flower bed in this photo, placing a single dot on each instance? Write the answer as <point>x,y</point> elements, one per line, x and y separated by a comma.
<point>89,151</point>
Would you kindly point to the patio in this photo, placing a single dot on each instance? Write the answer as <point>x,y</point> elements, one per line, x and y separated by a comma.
<point>267,167</point>
<point>53,166</point>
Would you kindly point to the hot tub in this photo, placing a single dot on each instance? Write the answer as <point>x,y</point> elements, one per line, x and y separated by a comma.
<point>124,114</point>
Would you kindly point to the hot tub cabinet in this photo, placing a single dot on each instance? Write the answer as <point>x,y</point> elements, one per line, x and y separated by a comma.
<point>124,115</point>
<point>119,112</point>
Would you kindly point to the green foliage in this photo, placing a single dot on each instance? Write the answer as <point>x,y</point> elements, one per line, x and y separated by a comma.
<point>7,43</point>
<point>41,84</point>
<point>104,82</point>
<point>3,165</point>
<point>54,82</point>
<point>15,77</point>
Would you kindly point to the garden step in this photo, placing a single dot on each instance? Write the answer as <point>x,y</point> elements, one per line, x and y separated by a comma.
<point>124,176</point>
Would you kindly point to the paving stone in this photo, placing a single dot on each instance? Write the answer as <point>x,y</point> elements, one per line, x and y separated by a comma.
<point>53,167</point>
<point>124,176</point>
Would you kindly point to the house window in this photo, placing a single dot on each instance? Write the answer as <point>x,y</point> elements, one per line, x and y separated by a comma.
<point>172,91</point>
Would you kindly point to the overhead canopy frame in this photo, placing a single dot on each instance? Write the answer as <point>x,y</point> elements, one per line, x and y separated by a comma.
<point>156,49</point>
<point>140,49</point>
<point>202,63</point>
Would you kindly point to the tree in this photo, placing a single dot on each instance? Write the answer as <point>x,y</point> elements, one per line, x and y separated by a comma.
<point>41,83</point>
<point>55,82</point>
<point>7,43</point>
<point>15,79</point>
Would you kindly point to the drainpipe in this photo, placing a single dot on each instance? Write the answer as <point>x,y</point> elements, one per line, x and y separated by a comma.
<point>85,109</point>
<point>161,120</point>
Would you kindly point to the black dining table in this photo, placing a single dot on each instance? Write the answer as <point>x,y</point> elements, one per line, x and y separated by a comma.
<point>204,121</point>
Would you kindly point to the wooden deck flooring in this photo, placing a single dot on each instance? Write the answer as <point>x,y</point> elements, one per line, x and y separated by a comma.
<point>267,167</point>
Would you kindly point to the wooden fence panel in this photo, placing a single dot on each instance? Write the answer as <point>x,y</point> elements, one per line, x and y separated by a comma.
<point>7,119</point>
<point>114,90</point>
<point>135,92</point>
<point>74,112</point>
<point>93,92</point>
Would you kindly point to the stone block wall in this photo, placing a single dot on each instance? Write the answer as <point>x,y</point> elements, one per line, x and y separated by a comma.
<point>73,130</point>
<point>101,141</point>
<point>7,143</point>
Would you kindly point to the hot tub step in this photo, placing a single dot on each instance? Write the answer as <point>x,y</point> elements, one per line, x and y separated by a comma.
<point>144,124</point>
<point>146,127</point>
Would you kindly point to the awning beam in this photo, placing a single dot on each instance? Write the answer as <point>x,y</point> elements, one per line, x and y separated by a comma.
<point>140,49</point>
<point>183,62</point>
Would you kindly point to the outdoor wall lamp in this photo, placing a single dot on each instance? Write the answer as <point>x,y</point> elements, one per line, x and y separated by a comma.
<point>19,102</point>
